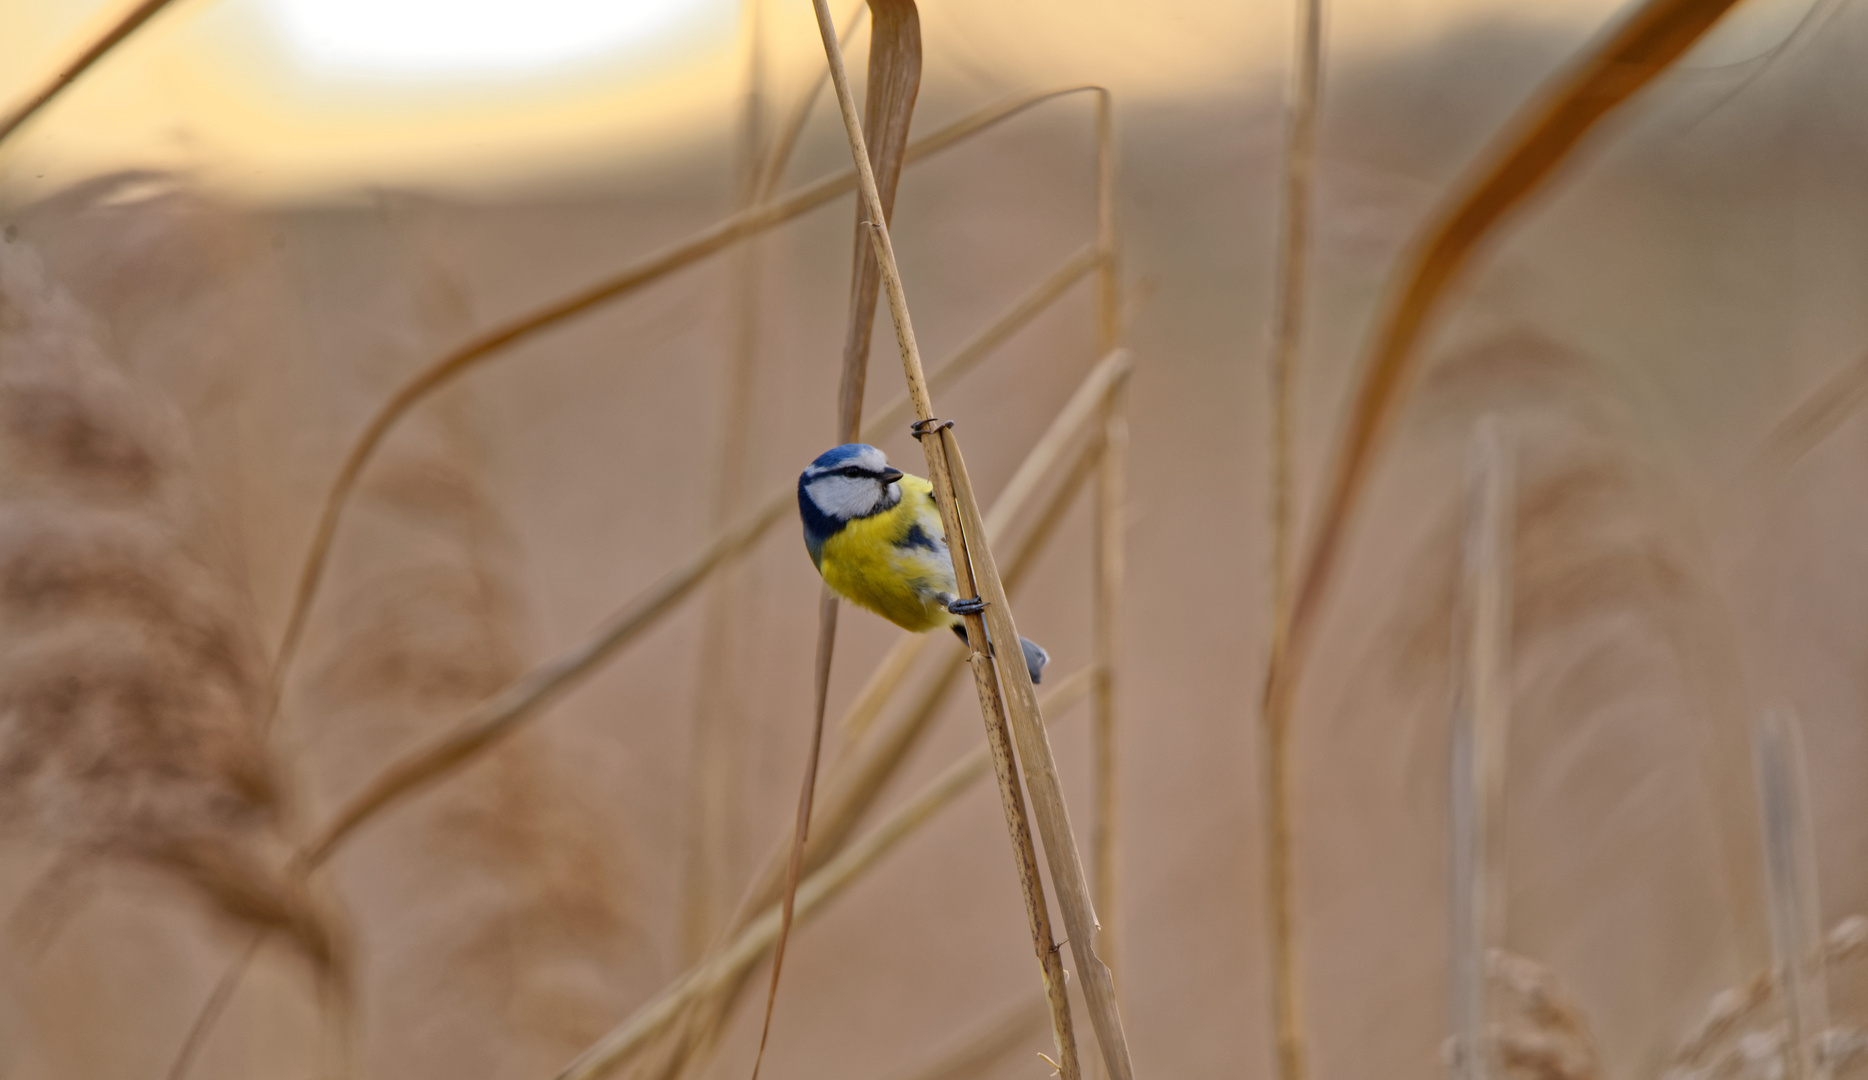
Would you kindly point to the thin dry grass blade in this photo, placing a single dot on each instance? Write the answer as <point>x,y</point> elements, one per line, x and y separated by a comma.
<point>894,80</point>
<point>1481,710</point>
<point>1544,136</point>
<point>1790,872</point>
<point>132,21</point>
<point>211,1009</point>
<point>823,885</point>
<point>1817,416</point>
<point>645,272</point>
<point>1287,331</point>
<point>1107,554</point>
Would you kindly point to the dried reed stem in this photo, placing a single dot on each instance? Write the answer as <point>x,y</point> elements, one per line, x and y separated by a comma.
<point>648,270</point>
<point>1542,138</point>
<point>1790,872</point>
<point>1286,342</point>
<point>464,740</point>
<point>823,885</point>
<point>123,28</point>
<point>952,491</point>
<point>1729,1009</point>
<point>1481,712</point>
<point>1107,552</point>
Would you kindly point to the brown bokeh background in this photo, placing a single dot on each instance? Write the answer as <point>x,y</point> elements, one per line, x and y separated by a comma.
<point>1643,328</point>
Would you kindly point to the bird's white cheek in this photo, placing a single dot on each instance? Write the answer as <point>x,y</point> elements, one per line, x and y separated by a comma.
<point>843,497</point>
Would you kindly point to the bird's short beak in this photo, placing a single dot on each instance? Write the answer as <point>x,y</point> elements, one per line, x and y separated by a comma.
<point>889,476</point>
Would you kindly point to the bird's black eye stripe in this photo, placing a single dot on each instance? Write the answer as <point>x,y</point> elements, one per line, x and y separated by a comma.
<point>852,470</point>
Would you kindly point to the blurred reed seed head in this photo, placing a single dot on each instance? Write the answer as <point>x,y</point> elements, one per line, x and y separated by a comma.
<point>129,669</point>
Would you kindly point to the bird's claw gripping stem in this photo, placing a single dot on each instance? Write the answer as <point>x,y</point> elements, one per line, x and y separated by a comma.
<point>966,607</point>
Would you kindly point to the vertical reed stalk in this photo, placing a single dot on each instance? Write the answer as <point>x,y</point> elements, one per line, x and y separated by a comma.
<point>959,511</point>
<point>1287,329</point>
<point>1107,549</point>
<point>718,707</point>
<point>1481,712</point>
<point>1795,909</point>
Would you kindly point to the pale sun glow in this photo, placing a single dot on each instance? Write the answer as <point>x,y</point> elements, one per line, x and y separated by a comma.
<point>469,37</point>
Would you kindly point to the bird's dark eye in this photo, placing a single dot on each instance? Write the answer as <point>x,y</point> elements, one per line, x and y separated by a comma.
<point>850,470</point>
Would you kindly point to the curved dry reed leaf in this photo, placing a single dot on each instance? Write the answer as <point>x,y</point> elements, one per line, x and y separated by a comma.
<point>1542,138</point>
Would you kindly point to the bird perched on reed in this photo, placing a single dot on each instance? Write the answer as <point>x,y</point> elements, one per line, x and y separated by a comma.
<point>875,534</point>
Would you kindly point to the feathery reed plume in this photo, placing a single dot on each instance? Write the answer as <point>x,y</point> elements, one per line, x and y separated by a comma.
<point>508,905</point>
<point>1790,871</point>
<point>1286,344</point>
<point>130,672</point>
<point>732,961</point>
<point>1521,160</point>
<point>128,24</point>
<point>1539,1033</point>
<point>1718,1045</point>
<point>646,271</point>
<point>1481,710</point>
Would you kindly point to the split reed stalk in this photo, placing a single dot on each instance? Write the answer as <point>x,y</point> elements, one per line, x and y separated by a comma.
<point>1522,161</point>
<point>1286,345</point>
<point>131,21</point>
<point>1795,907</point>
<point>950,491</point>
<point>646,271</point>
<point>822,885</point>
<point>1107,551</point>
<point>1481,715</point>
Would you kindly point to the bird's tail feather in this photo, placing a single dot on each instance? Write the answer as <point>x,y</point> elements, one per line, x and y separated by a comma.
<point>1035,656</point>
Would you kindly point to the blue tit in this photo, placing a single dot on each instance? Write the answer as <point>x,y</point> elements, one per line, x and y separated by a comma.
<point>875,534</point>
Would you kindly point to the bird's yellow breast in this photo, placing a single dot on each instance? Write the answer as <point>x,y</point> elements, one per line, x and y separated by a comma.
<point>894,563</point>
